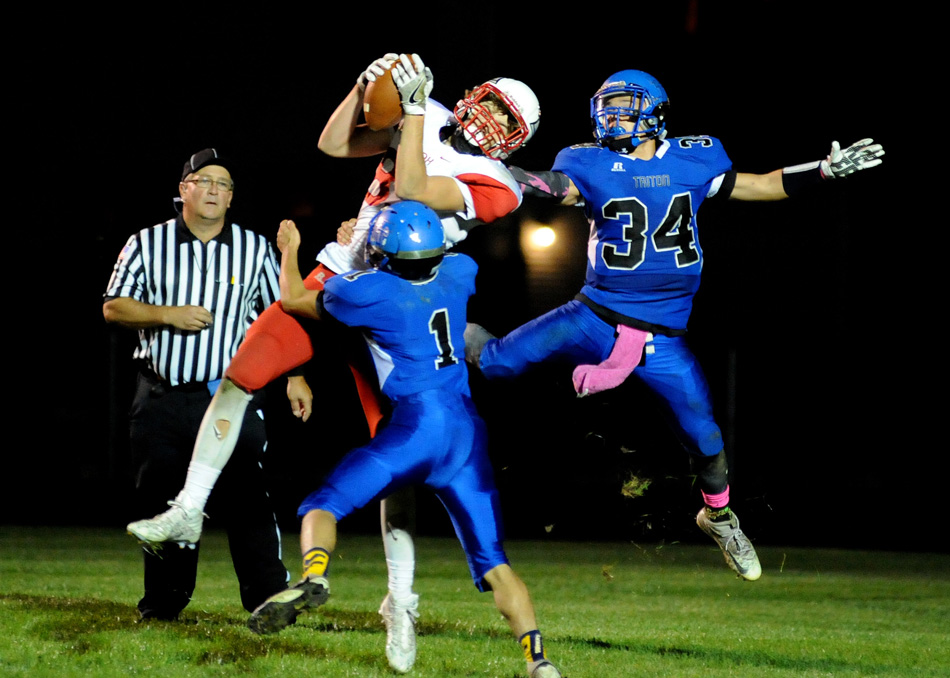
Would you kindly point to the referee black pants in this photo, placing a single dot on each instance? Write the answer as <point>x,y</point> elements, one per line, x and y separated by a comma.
<point>164,424</point>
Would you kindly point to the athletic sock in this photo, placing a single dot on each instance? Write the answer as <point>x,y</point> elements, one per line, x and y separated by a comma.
<point>533,648</point>
<point>400,562</point>
<point>717,505</point>
<point>316,562</point>
<point>198,484</point>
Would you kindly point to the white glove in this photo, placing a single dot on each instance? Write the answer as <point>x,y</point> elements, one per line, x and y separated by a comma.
<point>858,156</point>
<point>414,82</point>
<point>376,69</point>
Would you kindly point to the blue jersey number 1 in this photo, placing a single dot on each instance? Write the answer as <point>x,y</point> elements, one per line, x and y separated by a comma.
<point>439,328</point>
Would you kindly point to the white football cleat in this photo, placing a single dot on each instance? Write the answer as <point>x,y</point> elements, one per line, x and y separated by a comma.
<point>736,547</point>
<point>400,620</point>
<point>181,523</point>
<point>545,670</point>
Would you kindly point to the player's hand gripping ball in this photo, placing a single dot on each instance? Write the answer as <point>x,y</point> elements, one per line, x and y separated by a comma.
<point>382,107</point>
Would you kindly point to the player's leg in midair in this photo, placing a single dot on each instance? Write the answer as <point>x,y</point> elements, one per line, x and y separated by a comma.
<point>672,372</point>
<point>571,333</point>
<point>275,344</point>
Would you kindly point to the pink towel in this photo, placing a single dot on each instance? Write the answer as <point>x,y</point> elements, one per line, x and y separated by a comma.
<point>623,358</point>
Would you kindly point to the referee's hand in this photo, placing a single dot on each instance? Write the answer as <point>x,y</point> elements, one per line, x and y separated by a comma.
<point>191,318</point>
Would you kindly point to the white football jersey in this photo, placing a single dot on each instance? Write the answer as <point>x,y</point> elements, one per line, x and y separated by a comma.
<point>472,173</point>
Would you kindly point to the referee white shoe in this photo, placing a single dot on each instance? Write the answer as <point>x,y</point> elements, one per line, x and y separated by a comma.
<point>400,620</point>
<point>181,523</point>
<point>736,547</point>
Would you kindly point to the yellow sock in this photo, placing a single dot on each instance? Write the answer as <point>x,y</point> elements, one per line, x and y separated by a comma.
<point>316,562</point>
<point>533,646</point>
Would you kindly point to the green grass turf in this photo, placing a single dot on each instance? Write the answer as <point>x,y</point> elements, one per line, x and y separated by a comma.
<point>67,608</point>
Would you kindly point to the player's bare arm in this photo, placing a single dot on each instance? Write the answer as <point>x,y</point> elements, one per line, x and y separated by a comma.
<point>137,315</point>
<point>759,186</point>
<point>294,297</point>
<point>414,82</point>
<point>343,136</point>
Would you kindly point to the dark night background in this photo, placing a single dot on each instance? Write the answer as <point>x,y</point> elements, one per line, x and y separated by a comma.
<point>809,322</point>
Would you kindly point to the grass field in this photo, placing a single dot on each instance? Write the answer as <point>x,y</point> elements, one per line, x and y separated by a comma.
<point>67,608</point>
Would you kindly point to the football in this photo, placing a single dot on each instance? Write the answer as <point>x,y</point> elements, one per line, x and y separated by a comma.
<point>381,106</point>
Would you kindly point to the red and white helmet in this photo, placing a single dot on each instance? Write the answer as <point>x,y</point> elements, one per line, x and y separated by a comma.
<point>480,127</point>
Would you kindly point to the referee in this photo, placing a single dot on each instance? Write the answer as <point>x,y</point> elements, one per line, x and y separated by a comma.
<point>191,287</point>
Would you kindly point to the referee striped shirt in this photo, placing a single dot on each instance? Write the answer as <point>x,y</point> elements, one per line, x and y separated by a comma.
<point>233,275</point>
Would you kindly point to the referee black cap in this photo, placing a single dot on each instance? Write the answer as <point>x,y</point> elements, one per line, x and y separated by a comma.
<point>208,156</point>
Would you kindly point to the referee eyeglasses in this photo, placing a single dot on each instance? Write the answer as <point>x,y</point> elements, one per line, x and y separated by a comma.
<point>206,183</point>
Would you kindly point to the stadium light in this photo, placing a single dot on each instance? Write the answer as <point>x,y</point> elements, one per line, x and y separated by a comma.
<point>536,236</point>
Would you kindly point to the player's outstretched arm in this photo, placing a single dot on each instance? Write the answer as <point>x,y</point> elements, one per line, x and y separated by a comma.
<point>294,297</point>
<point>414,82</point>
<point>759,186</point>
<point>789,181</point>
<point>343,136</point>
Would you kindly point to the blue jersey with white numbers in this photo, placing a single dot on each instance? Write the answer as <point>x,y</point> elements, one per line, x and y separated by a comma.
<point>643,256</point>
<point>414,330</point>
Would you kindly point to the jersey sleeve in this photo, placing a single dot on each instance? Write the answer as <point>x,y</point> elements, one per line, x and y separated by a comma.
<point>491,199</point>
<point>352,298</point>
<point>713,165</point>
<point>464,270</point>
<point>718,161</point>
<point>570,162</point>
<point>128,275</point>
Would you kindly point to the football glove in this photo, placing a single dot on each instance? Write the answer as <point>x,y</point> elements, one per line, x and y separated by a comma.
<point>414,82</point>
<point>858,156</point>
<point>376,69</point>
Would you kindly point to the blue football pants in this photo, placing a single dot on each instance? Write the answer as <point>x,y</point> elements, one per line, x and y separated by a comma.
<point>436,439</point>
<point>575,335</point>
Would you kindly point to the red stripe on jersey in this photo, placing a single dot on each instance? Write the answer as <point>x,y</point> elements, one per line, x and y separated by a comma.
<point>383,181</point>
<point>492,198</point>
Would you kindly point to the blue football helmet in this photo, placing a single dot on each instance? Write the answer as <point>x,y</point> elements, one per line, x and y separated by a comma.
<point>636,97</point>
<point>406,239</point>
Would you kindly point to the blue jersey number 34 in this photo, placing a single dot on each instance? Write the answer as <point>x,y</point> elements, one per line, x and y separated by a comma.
<point>674,234</point>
